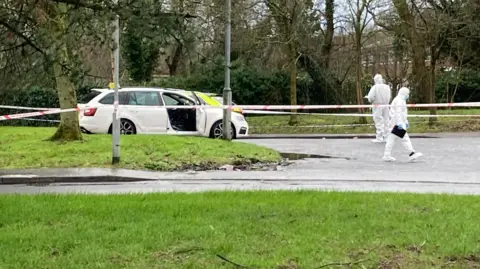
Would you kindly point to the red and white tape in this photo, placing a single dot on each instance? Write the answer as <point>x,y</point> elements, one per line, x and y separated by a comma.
<point>49,111</point>
<point>261,112</point>
<point>26,108</point>
<point>36,114</point>
<point>304,107</point>
<point>290,107</point>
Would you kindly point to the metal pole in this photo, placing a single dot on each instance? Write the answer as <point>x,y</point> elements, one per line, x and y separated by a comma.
<point>116,78</point>
<point>227,91</point>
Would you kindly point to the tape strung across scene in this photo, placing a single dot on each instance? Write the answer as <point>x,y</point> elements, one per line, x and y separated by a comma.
<point>26,108</point>
<point>287,107</point>
<point>261,112</point>
<point>36,114</point>
<point>49,111</point>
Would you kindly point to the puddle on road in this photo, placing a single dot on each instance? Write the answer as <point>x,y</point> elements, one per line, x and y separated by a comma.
<point>301,156</point>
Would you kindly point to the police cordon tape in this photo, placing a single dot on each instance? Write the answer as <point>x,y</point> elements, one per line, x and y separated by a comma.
<point>259,112</point>
<point>36,114</point>
<point>50,111</point>
<point>286,107</point>
<point>26,108</point>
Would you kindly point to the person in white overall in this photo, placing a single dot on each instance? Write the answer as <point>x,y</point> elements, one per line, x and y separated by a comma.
<point>380,94</point>
<point>399,124</point>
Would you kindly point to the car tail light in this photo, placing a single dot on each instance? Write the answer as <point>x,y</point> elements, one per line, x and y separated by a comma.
<point>89,112</point>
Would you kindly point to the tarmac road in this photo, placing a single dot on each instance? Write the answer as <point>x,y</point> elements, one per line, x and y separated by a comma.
<point>450,165</point>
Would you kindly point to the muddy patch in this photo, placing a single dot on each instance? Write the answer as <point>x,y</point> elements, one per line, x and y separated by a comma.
<point>238,165</point>
<point>405,257</point>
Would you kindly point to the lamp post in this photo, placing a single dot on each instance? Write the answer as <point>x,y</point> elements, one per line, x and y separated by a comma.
<point>227,91</point>
<point>116,78</point>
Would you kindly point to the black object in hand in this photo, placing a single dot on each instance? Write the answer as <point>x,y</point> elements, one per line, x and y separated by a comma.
<point>400,132</point>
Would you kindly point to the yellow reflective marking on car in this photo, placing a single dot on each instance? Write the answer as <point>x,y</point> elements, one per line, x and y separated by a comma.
<point>213,102</point>
<point>209,100</point>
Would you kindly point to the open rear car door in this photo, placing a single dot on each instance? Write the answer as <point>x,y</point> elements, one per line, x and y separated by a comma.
<point>201,116</point>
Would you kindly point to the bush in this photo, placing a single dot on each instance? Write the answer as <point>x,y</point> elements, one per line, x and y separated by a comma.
<point>463,85</point>
<point>254,85</point>
<point>250,85</point>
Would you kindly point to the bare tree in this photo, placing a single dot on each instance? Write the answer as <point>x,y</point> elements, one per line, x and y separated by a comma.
<point>396,62</point>
<point>327,46</point>
<point>359,20</point>
<point>52,30</point>
<point>289,16</point>
<point>425,24</point>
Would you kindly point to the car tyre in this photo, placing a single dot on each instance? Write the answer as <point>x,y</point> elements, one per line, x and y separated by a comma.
<point>127,127</point>
<point>217,130</point>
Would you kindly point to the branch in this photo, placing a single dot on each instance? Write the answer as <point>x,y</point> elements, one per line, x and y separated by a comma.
<point>434,4</point>
<point>14,47</point>
<point>420,14</point>
<point>344,77</point>
<point>81,3</point>
<point>99,7</point>
<point>25,38</point>
<point>384,26</point>
<point>293,11</point>
<point>438,49</point>
<point>276,9</point>
<point>233,263</point>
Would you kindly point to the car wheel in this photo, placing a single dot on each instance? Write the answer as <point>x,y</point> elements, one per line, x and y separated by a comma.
<point>217,130</point>
<point>126,127</point>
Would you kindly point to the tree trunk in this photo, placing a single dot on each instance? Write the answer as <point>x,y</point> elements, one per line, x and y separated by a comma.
<point>177,53</point>
<point>420,73</point>
<point>431,99</point>
<point>395,74</point>
<point>69,128</point>
<point>287,18</point>
<point>419,69</point>
<point>327,44</point>
<point>358,73</point>
<point>293,90</point>
<point>173,64</point>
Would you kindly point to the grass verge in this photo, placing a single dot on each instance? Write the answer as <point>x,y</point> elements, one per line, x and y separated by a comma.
<point>278,124</point>
<point>253,229</point>
<point>25,147</point>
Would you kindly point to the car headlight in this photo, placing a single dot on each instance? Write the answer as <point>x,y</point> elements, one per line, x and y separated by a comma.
<point>240,118</point>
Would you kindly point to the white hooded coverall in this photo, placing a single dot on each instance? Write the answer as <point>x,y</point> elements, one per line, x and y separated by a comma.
<point>398,116</point>
<point>380,94</point>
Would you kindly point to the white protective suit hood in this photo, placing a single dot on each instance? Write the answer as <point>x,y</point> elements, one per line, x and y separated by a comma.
<point>403,93</point>
<point>380,93</point>
<point>378,79</point>
<point>398,110</point>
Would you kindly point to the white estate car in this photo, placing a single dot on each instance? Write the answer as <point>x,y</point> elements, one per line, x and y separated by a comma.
<point>142,110</point>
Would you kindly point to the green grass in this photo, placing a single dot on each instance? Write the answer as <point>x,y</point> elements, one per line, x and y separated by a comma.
<point>279,123</point>
<point>254,229</point>
<point>26,147</point>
